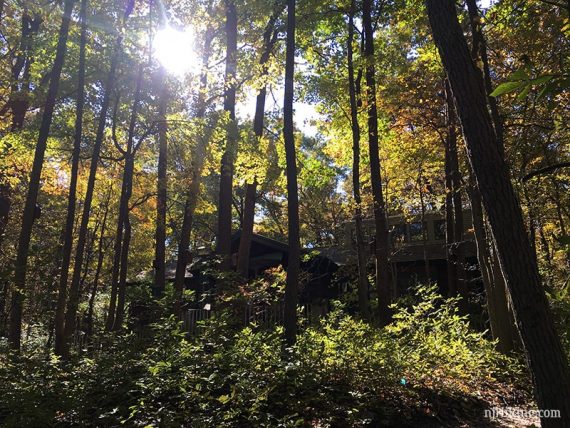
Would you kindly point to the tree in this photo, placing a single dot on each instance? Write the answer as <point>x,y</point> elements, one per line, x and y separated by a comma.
<point>363,300</point>
<point>196,175</point>
<point>543,349</point>
<point>223,246</point>
<point>123,235</point>
<point>294,262</point>
<point>59,323</point>
<point>74,289</point>
<point>30,208</point>
<point>269,38</point>
<point>381,251</point>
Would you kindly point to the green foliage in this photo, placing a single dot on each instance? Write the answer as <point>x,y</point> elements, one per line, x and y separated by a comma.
<point>436,342</point>
<point>341,372</point>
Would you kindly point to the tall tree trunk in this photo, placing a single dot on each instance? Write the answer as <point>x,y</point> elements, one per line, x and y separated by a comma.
<point>479,53</point>
<point>118,294</point>
<point>224,243</point>
<point>294,263</point>
<point>34,183</point>
<point>72,196</point>
<point>74,289</point>
<point>493,281</point>
<point>160,234</point>
<point>449,218</point>
<point>269,39</point>
<point>499,303</point>
<point>456,248</point>
<point>542,345</point>
<point>383,281</point>
<point>126,191</point>
<point>196,176</point>
<point>363,285</point>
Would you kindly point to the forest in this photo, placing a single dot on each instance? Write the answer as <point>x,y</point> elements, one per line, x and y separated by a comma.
<point>285,213</point>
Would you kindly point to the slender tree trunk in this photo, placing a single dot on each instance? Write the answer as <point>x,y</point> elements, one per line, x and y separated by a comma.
<point>5,206</point>
<point>160,234</point>
<point>34,183</point>
<point>479,53</point>
<point>126,191</point>
<point>124,222</point>
<point>120,315</point>
<point>542,345</point>
<point>74,290</point>
<point>383,281</point>
<point>458,257</point>
<point>95,285</point>
<point>227,167</point>
<point>504,317</point>
<point>72,196</point>
<point>497,305</point>
<point>269,39</point>
<point>363,286</point>
<point>196,176</point>
<point>294,263</point>
<point>449,218</point>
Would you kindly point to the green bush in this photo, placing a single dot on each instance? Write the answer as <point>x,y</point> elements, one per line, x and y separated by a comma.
<point>341,372</point>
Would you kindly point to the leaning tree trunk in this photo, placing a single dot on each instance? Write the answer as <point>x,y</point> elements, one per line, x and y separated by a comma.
<point>28,216</point>
<point>542,345</point>
<point>363,286</point>
<point>74,289</point>
<point>196,176</point>
<point>496,297</point>
<point>294,262</point>
<point>269,39</point>
<point>383,281</point>
<point>224,237</point>
<point>72,196</point>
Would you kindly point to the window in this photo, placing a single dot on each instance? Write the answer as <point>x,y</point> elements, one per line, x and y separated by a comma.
<point>416,231</point>
<point>439,229</point>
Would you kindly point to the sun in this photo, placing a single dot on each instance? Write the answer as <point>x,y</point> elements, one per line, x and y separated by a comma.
<point>174,49</point>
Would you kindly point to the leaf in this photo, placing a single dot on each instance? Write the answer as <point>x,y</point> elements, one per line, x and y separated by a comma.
<point>224,399</point>
<point>506,87</point>
<point>518,75</point>
<point>542,79</point>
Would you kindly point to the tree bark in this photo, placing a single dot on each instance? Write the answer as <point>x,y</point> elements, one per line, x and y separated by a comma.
<point>542,345</point>
<point>363,285</point>
<point>28,215</point>
<point>479,53</point>
<point>160,233</point>
<point>294,263</point>
<point>269,39</point>
<point>74,289</point>
<point>493,281</point>
<point>383,281</point>
<point>72,196</point>
<point>224,237</point>
<point>121,256</point>
<point>495,301</point>
<point>196,178</point>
